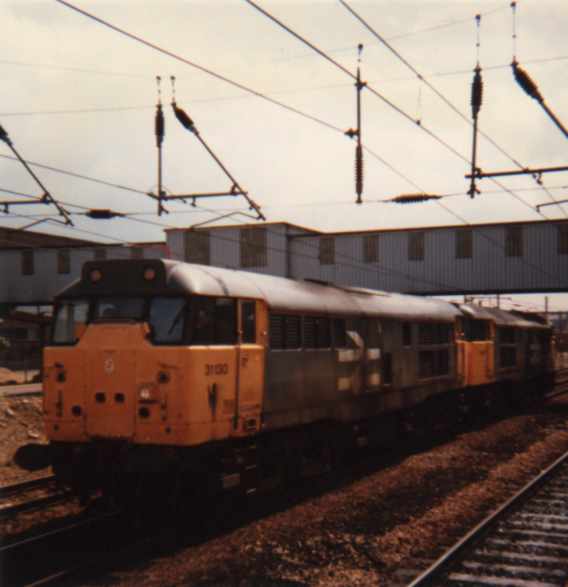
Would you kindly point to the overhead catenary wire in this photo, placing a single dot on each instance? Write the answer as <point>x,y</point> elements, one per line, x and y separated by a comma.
<point>363,268</point>
<point>376,93</point>
<point>221,77</point>
<point>525,81</point>
<point>73,69</point>
<point>76,111</point>
<point>143,192</point>
<point>88,212</point>
<point>46,197</point>
<point>400,36</point>
<point>353,76</point>
<point>353,263</point>
<point>186,121</point>
<point>195,65</point>
<point>54,218</point>
<point>277,92</point>
<point>494,67</point>
<point>537,60</point>
<point>276,102</point>
<point>319,51</point>
<point>477,89</point>
<point>345,70</point>
<point>77,175</point>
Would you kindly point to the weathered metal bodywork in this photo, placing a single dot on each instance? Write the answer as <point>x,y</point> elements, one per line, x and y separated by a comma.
<point>383,357</point>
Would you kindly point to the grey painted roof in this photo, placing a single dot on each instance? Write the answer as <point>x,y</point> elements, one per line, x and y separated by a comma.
<point>476,312</point>
<point>281,295</point>
<point>500,317</point>
<point>503,318</point>
<point>287,295</point>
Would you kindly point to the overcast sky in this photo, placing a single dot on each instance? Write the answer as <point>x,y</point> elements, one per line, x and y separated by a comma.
<point>81,97</point>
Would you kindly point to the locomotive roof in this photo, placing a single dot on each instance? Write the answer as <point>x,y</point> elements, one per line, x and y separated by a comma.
<point>125,277</point>
<point>504,318</point>
<point>291,295</point>
<point>500,317</point>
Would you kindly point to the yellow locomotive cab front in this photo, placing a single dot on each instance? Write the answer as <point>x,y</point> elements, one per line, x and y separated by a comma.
<point>115,383</point>
<point>150,380</point>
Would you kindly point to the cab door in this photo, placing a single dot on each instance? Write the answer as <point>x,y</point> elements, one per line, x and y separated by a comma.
<point>252,318</point>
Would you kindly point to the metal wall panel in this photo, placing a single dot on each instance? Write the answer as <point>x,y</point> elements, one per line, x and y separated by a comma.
<point>45,282</point>
<point>225,248</point>
<point>540,268</point>
<point>291,252</point>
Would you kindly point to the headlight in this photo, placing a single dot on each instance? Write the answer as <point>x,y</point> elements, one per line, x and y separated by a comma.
<point>145,393</point>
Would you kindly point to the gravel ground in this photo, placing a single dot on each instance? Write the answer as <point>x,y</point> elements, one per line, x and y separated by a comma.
<point>20,423</point>
<point>362,533</point>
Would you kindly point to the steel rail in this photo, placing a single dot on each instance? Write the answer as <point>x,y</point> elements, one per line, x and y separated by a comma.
<point>16,488</point>
<point>455,552</point>
<point>69,538</point>
<point>34,504</point>
<point>27,389</point>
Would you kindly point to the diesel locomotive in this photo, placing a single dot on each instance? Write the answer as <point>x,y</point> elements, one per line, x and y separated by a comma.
<point>162,375</point>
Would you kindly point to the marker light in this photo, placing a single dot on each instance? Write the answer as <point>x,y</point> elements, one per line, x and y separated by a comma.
<point>149,274</point>
<point>95,275</point>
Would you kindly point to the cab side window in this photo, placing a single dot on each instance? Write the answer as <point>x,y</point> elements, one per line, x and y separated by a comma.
<point>225,321</point>
<point>214,321</point>
<point>70,321</point>
<point>167,319</point>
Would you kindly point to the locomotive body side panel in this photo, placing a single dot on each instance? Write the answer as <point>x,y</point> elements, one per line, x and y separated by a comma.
<point>64,394</point>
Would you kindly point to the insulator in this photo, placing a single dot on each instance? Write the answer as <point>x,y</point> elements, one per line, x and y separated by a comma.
<point>101,214</point>
<point>524,80</point>
<point>476,93</point>
<point>159,126</point>
<point>183,117</point>
<point>359,170</point>
<point>414,198</point>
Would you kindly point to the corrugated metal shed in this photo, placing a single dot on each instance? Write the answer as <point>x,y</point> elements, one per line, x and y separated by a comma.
<point>45,280</point>
<point>538,262</point>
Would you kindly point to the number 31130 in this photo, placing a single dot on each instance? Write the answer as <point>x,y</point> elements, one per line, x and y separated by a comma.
<point>216,369</point>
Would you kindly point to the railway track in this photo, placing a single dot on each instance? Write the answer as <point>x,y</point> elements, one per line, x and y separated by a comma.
<point>21,390</point>
<point>17,488</point>
<point>11,502</point>
<point>81,541</point>
<point>523,543</point>
<point>560,384</point>
<point>59,552</point>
